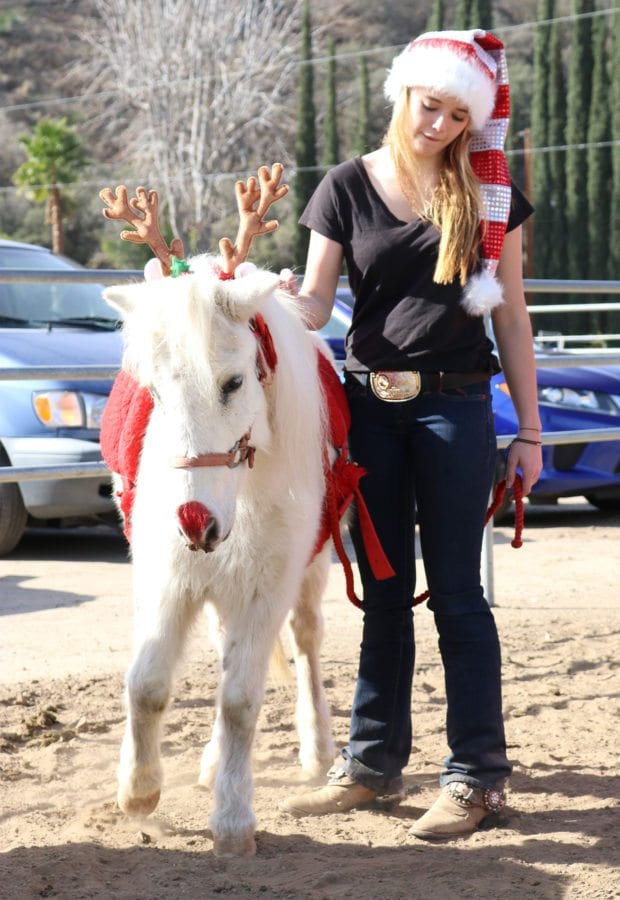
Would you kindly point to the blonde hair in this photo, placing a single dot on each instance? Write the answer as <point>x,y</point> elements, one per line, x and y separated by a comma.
<point>456,205</point>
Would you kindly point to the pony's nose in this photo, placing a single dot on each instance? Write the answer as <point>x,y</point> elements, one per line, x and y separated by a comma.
<point>198,526</point>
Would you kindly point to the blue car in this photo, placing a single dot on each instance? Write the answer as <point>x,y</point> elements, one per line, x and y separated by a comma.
<point>579,397</point>
<point>52,422</point>
<point>572,398</point>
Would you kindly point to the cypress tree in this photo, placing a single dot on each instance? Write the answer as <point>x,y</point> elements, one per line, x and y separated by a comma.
<point>556,129</point>
<point>614,231</point>
<point>331,146</point>
<point>481,14</point>
<point>599,163</point>
<point>306,178</point>
<point>540,138</point>
<point>362,134</point>
<point>461,14</point>
<point>578,103</point>
<point>435,20</point>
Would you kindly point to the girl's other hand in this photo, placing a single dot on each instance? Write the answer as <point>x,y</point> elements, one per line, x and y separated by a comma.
<point>528,458</point>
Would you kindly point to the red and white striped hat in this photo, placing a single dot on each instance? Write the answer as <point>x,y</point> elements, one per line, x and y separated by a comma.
<point>471,66</point>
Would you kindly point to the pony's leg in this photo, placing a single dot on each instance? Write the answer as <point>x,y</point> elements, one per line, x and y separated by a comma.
<point>160,630</point>
<point>246,657</point>
<point>211,753</point>
<point>316,744</point>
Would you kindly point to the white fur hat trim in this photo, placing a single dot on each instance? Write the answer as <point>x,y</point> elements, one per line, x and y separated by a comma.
<point>452,63</point>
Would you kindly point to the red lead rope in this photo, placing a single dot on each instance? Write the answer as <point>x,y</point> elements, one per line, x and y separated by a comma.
<point>498,496</point>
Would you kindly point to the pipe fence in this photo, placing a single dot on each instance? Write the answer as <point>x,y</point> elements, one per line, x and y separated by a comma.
<point>540,286</point>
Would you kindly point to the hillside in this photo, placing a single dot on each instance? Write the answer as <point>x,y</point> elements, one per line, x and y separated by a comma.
<point>48,69</point>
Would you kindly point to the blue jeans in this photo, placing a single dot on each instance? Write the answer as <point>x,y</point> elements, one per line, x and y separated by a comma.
<point>430,458</point>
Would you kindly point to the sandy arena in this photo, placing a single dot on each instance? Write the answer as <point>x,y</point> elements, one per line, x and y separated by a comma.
<point>65,642</point>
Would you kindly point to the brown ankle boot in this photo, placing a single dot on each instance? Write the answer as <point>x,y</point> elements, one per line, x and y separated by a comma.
<point>458,811</point>
<point>340,794</point>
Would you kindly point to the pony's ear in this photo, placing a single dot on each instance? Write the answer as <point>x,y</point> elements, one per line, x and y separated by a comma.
<point>241,298</point>
<point>123,297</point>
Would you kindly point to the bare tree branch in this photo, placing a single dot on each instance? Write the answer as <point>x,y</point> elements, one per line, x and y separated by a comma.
<point>205,85</point>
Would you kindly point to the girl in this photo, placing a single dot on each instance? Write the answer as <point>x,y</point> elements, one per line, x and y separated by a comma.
<point>425,223</point>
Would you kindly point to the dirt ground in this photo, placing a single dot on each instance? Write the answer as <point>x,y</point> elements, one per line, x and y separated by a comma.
<point>65,632</point>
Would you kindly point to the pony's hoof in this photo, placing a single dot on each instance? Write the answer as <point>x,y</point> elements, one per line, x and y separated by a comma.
<point>237,845</point>
<point>206,778</point>
<point>138,806</point>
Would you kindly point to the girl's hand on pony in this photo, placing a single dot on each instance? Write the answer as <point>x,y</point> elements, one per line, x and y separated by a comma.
<point>289,282</point>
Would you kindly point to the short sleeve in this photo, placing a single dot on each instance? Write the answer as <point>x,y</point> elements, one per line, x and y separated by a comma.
<point>322,213</point>
<point>520,209</point>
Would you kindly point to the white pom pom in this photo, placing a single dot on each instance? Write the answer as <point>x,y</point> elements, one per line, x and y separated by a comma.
<point>244,268</point>
<point>482,294</point>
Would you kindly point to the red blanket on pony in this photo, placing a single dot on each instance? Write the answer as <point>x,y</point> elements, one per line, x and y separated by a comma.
<point>125,422</point>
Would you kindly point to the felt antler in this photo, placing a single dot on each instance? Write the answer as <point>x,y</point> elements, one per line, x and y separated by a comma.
<point>142,213</point>
<point>253,203</point>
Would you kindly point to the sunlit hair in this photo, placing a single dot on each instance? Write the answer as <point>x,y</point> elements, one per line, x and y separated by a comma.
<point>456,204</point>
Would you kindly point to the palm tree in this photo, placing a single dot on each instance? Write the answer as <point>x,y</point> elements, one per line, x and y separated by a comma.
<point>55,158</point>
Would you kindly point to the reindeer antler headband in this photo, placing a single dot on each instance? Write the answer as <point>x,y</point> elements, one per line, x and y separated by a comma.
<point>254,198</point>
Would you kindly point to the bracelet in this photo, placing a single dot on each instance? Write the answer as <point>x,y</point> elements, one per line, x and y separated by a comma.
<point>527,428</point>
<point>521,440</point>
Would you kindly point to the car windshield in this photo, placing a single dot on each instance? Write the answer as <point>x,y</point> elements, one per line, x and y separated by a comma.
<point>36,305</point>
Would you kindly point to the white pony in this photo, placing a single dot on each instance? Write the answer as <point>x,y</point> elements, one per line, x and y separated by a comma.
<point>190,341</point>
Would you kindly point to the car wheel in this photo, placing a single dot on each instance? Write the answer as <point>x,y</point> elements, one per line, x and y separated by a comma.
<point>605,504</point>
<point>13,514</point>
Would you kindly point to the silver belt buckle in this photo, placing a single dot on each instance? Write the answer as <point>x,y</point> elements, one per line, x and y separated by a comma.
<point>395,387</point>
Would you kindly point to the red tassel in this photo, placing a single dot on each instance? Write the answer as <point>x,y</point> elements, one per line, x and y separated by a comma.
<point>379,563</point>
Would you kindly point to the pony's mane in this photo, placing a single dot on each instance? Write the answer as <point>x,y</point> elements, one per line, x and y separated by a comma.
<point>297,406</point>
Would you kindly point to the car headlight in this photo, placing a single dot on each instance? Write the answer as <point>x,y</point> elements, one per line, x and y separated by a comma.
<point>578,398</point>
<point>69,409</point>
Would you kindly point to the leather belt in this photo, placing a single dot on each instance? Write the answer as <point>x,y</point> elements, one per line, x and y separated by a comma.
<point>396,387</point>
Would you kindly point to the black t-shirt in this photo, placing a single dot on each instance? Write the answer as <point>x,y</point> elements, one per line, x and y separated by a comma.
<point>401,319</point>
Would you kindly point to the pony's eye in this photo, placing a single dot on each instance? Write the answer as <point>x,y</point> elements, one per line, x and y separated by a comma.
<point>233,384</point>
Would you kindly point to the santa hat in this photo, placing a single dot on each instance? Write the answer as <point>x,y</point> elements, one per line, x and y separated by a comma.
<point>471,66</point>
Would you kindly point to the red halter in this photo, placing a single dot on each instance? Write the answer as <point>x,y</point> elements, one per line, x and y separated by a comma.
<point>233,458</point>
